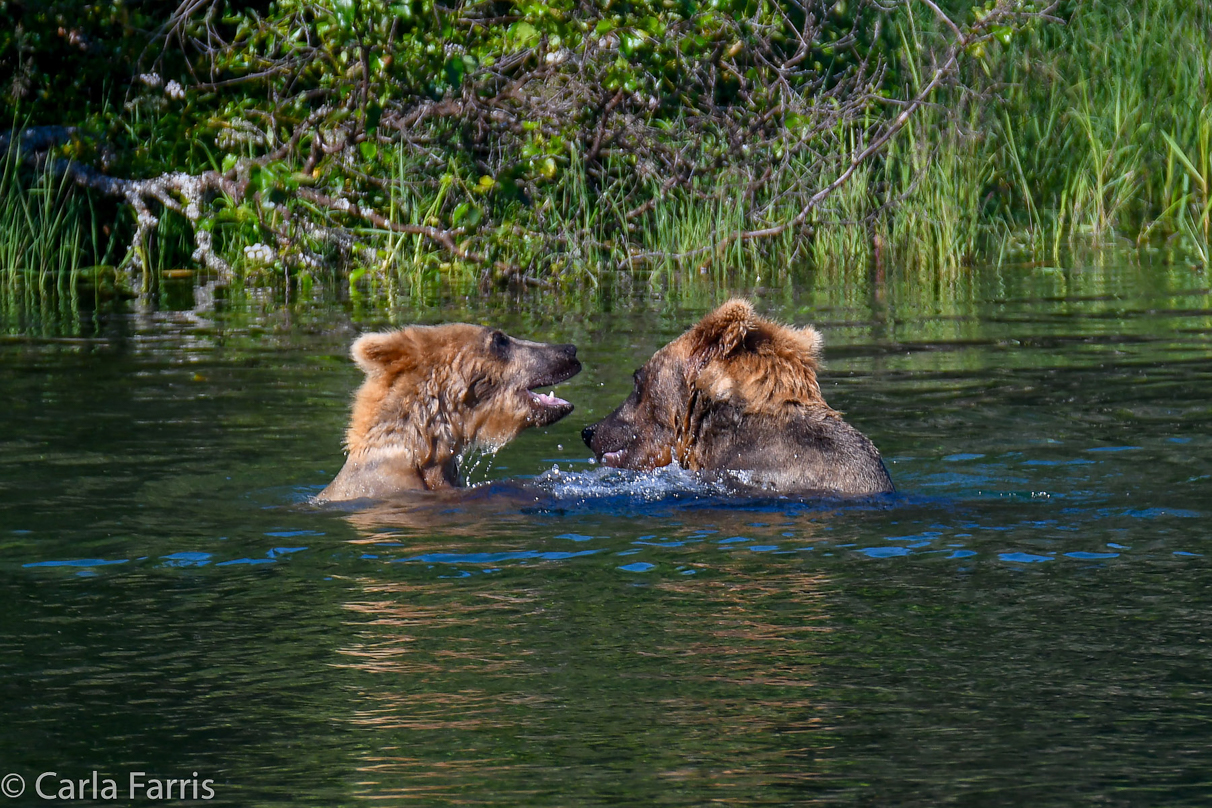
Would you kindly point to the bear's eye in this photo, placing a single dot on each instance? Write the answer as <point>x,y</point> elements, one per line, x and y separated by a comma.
<point>500,343</point>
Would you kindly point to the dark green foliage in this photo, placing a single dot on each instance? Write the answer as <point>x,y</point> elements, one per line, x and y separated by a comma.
<point>548,142</point>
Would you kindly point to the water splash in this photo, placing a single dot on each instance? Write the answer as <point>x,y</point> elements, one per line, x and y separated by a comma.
<point>670,482</point>
<point>470,460</point>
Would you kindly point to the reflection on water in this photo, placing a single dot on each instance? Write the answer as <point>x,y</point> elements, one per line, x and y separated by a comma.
<point>627,692</point>
<point>1026,620</point>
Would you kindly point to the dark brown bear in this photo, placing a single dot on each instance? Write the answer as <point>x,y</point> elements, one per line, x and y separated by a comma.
<point>433,392</point>
<point>738,393</point>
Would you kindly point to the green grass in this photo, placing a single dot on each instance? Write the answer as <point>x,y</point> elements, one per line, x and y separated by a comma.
<point>1104,111</point>
<point>46,231</point>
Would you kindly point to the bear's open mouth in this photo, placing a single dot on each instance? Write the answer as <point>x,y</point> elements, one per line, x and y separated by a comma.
<point>547,399</point>
<point>547,408</point>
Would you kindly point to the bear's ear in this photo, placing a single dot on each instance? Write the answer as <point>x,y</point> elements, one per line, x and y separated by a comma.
<point>720,333</point>
<point>808,343</point>
<point>395,350</point>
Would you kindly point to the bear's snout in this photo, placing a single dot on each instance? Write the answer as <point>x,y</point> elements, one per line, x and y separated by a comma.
<point>587,435</point>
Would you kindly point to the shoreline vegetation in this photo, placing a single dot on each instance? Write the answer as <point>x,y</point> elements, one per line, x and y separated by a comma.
<point>566,146</point>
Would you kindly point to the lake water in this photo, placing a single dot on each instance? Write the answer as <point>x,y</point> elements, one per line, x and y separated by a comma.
<point>1026,622</point>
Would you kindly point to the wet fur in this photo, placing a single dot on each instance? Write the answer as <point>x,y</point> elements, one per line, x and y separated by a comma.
<point>739,393</point>
<point>433,392</point>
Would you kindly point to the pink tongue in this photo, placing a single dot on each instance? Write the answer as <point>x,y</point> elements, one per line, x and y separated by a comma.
<point>548,400</point>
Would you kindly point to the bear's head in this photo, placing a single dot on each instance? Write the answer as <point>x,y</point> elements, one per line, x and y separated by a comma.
<point>731,358</point>
<point>432,392</point>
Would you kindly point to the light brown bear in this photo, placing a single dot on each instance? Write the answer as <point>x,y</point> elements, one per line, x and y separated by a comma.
<point>433,392</point>
<point>739,393</point>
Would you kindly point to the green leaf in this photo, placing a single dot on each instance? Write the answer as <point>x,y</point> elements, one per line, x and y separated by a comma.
<point>1178,152</point>
<point>345,11</point>
<point>263,178</point>
<point>455,69</point>
<point>523,35</point>
<point>466,214</point>
<point>374,113</point>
